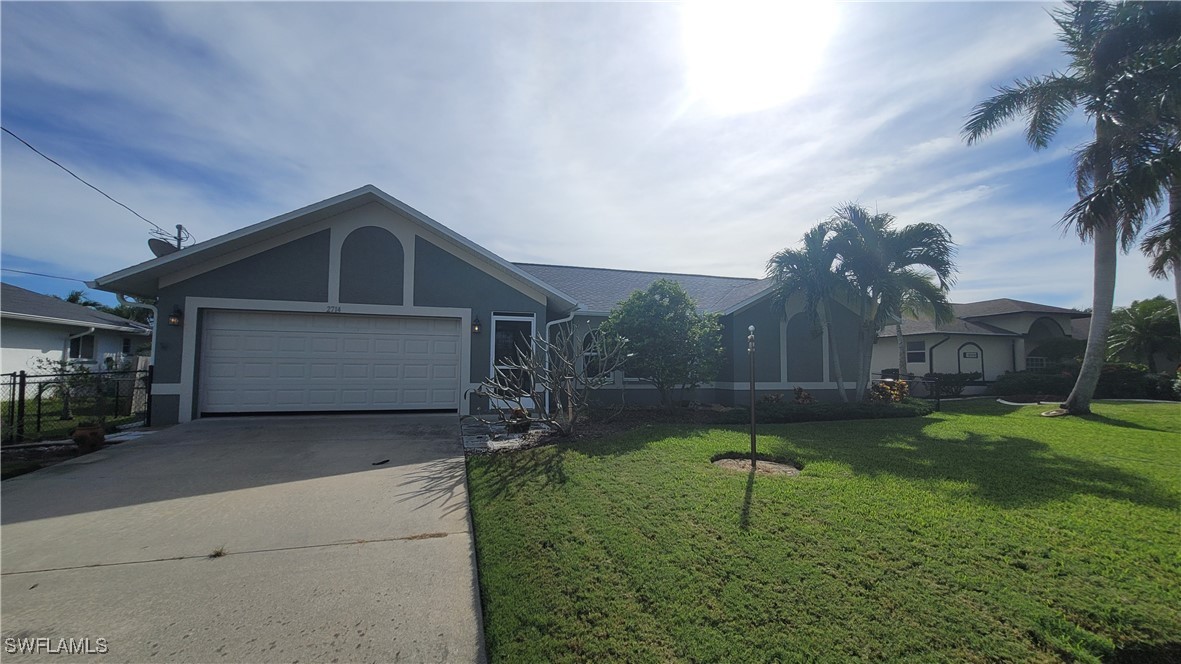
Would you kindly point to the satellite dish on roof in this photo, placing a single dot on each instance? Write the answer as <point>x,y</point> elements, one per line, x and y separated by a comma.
<point>161,248</point>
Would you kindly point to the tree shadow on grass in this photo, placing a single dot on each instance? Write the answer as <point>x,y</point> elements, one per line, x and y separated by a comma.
<point>1116,422</point>
<point>503,475</point>
<point>744,521</point>
<point>1003,470</point>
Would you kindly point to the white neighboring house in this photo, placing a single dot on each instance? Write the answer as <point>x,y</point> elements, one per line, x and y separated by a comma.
<point>988,337</point>
<point>33,325</point>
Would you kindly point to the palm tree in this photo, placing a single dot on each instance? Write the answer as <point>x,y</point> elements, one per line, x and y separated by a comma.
<point>81,298</point>
<point>1144,328</point>
<point>1146,173</point>
<point>1101,40</point>
<point>809,272</point>
<point>885,266</point>
<point>1163,246</point>
<point>915,306</point>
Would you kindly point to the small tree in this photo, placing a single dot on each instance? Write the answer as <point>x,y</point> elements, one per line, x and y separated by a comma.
<point>1142,329</point>
<point>65,378</point>
<point>672,344</point>
<point>559,374</point>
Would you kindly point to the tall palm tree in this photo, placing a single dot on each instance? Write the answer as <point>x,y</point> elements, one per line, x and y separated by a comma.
<point>1146,173</point>
<point>1100,38</point>
<point>884,266</point>
<point>809,272</point>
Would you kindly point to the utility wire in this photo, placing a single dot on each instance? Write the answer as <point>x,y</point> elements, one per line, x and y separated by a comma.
<point>55,163</point>
<point>38,274</point>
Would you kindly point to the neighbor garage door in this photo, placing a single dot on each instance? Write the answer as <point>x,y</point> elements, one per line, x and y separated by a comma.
<point>274,362</point>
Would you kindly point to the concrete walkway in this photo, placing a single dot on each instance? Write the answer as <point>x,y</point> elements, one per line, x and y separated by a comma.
<point>312,539</point>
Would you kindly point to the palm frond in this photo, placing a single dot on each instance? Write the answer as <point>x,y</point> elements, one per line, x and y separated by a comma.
<point>1046,102</point>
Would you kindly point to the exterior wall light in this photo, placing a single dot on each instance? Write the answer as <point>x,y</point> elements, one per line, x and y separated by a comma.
<point>477,325</point>
<point>176,317</point>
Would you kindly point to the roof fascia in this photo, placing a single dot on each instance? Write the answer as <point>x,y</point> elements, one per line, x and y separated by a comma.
<point>748,302</point>
<point>73,323</point>
<point>214,243</point>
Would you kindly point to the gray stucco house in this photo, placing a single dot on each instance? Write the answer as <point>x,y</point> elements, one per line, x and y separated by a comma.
<point>361,303</point>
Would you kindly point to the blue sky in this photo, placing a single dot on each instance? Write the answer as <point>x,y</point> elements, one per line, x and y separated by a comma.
<point>640,136</point>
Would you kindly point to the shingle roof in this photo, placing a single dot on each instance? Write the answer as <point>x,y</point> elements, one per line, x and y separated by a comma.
<point>18,302</point>
<point>600,289</point>
<point>956,326</point>
<point>1005,305</point>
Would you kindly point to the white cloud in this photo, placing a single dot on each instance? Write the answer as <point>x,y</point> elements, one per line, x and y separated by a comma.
<point>561,133</point>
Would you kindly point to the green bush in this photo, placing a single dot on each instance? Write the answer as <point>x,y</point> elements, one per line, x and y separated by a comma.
<point>1031,382</point>
<point>1122,380</point>
<point>951,384</point>
<point>1162,387</point>
<point>786,412</point>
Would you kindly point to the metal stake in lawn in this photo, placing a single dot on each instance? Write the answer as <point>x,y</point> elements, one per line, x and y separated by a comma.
<point>750,350</point>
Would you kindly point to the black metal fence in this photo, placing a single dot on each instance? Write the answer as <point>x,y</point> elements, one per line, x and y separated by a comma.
<point>35,407</point>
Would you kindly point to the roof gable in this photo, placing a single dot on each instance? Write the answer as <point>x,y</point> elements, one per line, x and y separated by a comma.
<point>142,279</point>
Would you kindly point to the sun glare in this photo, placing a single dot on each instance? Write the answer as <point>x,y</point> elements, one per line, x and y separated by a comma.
<point>750,56</point>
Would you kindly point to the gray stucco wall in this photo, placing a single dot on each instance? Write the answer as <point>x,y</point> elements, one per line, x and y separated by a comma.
<point>844,331</point>
<point>372,267</point>
<point>765,318</point>
<point>805,350</point>
<point>164,409</point>
<point>441,279</point>
<point>295,271</point>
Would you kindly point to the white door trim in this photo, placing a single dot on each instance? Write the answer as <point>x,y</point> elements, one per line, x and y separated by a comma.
<point>532,320</point>
<point>194,305</point>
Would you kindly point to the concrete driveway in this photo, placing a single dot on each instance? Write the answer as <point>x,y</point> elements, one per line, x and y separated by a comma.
<point>345,538</point>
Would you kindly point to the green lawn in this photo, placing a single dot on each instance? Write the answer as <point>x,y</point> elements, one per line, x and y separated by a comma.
<point>984,532</point>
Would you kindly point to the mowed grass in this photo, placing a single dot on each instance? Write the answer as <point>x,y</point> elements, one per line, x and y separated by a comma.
<point>984,532</point>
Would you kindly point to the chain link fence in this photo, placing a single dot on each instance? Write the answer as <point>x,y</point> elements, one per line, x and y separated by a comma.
<point>36,407</point>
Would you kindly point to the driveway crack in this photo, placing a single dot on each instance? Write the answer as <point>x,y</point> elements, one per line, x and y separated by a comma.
<point>227,554</point>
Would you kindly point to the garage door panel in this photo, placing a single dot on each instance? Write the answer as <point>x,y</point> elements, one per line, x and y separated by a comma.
<point>266,361</point>
<point>291,370</point>
<point>324,344</point>
<point>293,344</point>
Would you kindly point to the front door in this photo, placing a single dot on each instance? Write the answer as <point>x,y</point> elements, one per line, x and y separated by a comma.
<point>512,342</point>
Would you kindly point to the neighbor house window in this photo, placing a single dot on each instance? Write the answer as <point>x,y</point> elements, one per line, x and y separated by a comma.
<point>82,348</point>
<point>916,351</point>
<point>126,346</point>
<point>1035,363</point>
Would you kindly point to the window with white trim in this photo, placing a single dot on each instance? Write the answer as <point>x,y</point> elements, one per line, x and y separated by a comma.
<point>916,351</point>
<point>1032,362</point>
<point>590,358</point>
<point>82,348</point>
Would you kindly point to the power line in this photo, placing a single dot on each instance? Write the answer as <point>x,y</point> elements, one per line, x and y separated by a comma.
<point>55,163</point>
<point>38,274</point>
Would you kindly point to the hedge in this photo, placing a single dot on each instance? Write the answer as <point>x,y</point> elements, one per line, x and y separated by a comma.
<point>787,412</point>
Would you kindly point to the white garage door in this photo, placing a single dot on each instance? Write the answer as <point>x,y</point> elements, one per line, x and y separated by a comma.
<point>255,361</point>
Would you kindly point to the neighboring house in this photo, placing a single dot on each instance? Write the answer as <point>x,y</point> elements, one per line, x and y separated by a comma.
<point>361,303</point>
<point>988,337</point>
<point>34,326</point>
